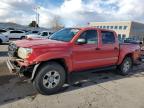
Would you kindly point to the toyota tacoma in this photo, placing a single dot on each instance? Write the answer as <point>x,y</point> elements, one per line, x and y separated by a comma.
<point>49,62</point>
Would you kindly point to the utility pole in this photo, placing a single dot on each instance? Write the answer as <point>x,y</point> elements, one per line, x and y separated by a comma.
<point>38,18</point>
<point>37,14</point>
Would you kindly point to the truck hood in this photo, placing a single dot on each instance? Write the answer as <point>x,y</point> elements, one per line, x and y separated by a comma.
<point>28,43</point>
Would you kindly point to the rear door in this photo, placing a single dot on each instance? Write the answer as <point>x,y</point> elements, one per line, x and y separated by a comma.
<point>12,34</point>
<point>16,34</point>
<point>109,48</point>
<point>19,34</point>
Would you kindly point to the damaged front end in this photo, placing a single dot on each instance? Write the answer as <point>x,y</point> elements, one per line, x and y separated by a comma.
<point>17,65</point>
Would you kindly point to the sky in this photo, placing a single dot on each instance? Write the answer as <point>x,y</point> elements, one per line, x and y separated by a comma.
<point>71,12</point>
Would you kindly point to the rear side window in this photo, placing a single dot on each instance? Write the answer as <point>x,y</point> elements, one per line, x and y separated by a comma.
<point>16,32</point>
<point>20,32</point>
<point>2,31</point>
<point>35,31</point>
<point>108,37</point>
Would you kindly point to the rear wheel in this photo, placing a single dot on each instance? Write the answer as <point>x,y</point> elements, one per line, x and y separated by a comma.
<point>126,66</point>
<point>50,78</point>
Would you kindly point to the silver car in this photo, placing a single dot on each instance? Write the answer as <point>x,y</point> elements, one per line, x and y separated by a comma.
<point>43,34</point>
<point>3,38</point>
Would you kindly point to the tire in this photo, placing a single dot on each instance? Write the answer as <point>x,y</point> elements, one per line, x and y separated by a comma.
<point>44,80</point>
<point>126,66</point>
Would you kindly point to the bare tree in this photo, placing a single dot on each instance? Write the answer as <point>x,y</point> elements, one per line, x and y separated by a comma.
<point>55,23</point>
<point>33,24</point>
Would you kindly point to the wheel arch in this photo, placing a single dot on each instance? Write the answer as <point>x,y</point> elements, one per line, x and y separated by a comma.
<point>60,61</point>
<point>23,37</point>
<point>127,55</point>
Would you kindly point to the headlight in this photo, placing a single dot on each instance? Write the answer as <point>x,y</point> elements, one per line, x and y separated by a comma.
<point>24,52</point>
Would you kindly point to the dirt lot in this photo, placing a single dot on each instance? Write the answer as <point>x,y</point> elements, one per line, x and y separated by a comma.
<point>91,90</point>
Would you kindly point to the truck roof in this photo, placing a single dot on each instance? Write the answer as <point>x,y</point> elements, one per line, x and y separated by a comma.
<point>85,28</point>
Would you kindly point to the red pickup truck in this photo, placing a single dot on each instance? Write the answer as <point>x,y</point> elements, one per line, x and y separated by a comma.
<point>49,62</point>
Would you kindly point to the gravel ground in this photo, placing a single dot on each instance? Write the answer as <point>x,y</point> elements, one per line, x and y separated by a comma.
<point>91,90</point>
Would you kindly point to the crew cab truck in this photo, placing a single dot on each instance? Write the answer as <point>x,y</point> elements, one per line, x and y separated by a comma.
<point>49,62</point>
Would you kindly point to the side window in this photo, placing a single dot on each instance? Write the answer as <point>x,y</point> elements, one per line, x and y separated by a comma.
<point>2,31</point>
<point>35,31</point>
<point>50,33</point>
<point>16,32</point>
<point>19,32</point>
<point>108,37</point>
<point>90,36</point>
<point>44,34</point>
<point>12,31</point>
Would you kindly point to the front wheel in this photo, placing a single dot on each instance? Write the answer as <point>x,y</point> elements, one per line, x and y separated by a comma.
<point>50,78</point>
<point>126,66</point>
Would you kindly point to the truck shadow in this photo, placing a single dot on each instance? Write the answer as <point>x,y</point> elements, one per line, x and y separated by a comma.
<point>13,88</point>
<point>7,43</point>
<point>85,79</point>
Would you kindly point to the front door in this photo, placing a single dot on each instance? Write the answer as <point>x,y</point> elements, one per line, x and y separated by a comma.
<point>85,56</point>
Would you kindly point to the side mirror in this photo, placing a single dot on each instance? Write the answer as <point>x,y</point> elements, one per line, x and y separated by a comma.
<point>141,43</point>
<point>81,41</point>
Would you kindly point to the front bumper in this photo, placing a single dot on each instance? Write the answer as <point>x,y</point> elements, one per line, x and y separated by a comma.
<point>12,67</point>
<point>19,67</point>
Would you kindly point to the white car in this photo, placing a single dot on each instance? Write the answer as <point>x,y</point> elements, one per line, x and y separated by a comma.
<point>43,34</point>
<point>15,34</point>
<point>33,32</point>
<point>2,31</point>
<point>3,38</point>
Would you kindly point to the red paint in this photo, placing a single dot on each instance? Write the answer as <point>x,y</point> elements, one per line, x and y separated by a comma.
<point>79,57</point>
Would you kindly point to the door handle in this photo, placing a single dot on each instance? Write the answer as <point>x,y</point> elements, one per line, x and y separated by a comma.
<point>97,48</point>
<point>115,48</point>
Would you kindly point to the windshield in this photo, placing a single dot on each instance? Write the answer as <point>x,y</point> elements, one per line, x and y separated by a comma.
<point>65,34</point>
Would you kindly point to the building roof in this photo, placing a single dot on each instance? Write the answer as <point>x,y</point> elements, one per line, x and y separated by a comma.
<point>119,22</point>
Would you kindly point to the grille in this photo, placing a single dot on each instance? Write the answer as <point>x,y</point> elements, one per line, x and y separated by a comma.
<point>12,50</point>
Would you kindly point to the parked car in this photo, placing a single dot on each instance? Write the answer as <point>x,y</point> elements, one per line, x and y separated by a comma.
<point>32,32</point>
<point>2,31</point>
<point>43,34</point>
<point>133,41</point>
<point>10,28</point>
<point>48,63</point>
<point>15,34</point>
<point>3,38</point>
